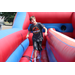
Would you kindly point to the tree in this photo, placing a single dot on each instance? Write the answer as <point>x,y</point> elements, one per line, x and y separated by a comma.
<point>9,16</point>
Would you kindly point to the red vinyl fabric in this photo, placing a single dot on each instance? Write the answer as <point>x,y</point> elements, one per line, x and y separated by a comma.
<point>29,55</point>
<point>8,47</point>
<point>62,47</point>
<point>73,23</point>
<point>48,17</point>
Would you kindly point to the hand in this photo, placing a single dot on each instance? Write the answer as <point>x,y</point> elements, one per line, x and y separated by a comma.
<point>27,36</point>
<point>45,34</point>
<point>45,31</point>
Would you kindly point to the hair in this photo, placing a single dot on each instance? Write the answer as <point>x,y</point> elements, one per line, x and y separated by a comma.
<point>31,18</point>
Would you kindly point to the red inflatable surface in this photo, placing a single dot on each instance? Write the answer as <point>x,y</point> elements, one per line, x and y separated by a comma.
<point>29,55</point>
<point>8,46</point>
<point>62,46</point>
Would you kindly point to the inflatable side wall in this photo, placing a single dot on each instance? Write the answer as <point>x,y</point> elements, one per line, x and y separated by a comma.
<point>9,43</point>
<point>73,23</point>
<point>61,47</point>
<point>11,39</point>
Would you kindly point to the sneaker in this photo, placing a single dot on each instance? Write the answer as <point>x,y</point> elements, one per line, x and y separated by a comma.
<point>34,59</point>
<point>38,57</point>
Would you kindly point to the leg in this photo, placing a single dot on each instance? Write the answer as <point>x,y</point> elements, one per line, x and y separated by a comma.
<point>35,53</point>
<point>40,46</point>
<point>35,50</point>
<point>39,49</point>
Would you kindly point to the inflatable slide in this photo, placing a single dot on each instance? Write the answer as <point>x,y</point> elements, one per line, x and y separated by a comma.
<point>58,45</point>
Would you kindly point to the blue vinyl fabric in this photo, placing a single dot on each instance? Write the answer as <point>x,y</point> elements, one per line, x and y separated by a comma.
<point>57,26</point>
<point>19,20</point>
<point>17,25</point>
<point>17,54</point>
<point>50,53</point>
<point>6,32</point>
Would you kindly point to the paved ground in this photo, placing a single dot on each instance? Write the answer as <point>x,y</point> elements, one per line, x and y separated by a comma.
<point>6,27</point>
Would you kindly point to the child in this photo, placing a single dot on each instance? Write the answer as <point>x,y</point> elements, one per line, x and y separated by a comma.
<point>37,38</point>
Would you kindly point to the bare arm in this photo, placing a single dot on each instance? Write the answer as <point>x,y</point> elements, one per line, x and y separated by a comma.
<point>45,30</point>
<point>28,34</point>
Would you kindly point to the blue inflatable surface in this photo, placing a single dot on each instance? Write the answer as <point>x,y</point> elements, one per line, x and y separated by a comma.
<point>57,26</point>
<point>17,54</point>
<point>50,54</point>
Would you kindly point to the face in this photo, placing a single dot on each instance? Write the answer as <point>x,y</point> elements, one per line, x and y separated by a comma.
<point>33,21</point>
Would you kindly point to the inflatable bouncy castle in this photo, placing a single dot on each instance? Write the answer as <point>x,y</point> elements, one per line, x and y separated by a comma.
<point>58,45</point>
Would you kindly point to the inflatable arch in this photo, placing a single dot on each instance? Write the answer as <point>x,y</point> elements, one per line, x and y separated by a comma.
<point>58,45</point>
